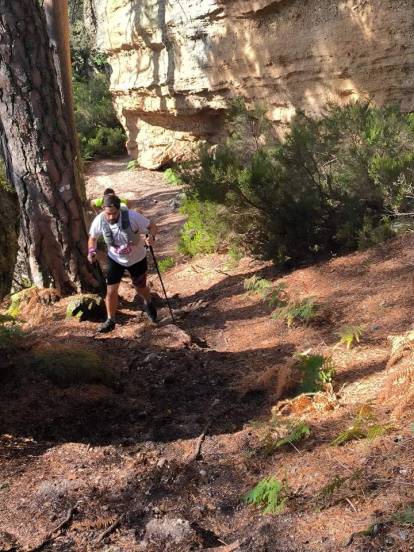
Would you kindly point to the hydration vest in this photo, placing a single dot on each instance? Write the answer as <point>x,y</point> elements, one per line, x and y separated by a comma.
<point>127,233</point>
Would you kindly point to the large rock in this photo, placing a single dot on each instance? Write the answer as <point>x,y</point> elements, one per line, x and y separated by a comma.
<point>176,63</point>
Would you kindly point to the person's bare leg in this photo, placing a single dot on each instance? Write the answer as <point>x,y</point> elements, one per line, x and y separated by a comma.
<point>150,308</point>
<point>111,303</point>
<point>111,300</point>
<point>144,292</point>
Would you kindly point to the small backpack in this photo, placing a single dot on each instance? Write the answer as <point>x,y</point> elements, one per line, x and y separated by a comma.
<point>127,233</point>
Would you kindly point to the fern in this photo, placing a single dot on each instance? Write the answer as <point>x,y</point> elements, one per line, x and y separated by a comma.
<point>353,433</point>
<point>297,431</point>
<point>404,518</point>
<point>331,487</point>
<point>365,426</point>
<point>264,288</point>
<point>271,433</point>
<point>257,286</point>
<point>270,494</point>
<point>303,310</point>
<point>317,370</point>
<point>347,334</point>
<point>400,367</point>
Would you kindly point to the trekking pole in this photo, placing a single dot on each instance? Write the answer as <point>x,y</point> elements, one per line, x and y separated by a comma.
<point>162,283</point>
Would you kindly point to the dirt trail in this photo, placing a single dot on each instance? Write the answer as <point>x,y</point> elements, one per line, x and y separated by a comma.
<point>162,461</point>
<point>147,192</point>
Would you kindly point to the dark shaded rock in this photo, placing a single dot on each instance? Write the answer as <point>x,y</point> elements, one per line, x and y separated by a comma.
<point>86,307</point>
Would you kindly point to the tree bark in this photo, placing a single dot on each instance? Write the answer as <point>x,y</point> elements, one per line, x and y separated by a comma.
<point>38,154</point>
<point>57,19</point>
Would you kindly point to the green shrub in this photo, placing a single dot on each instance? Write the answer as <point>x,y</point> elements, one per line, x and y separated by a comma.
<point>165,264</point>
<point>170,177</point>
<point>100,133</point>
<point>65,367</point>
<point>325,188</point>
<point>206,230</point>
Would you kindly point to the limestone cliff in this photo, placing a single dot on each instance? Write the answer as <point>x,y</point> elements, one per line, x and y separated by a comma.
<point>175,63</point>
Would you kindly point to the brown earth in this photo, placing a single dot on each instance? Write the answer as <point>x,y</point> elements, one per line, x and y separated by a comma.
<point>127,461</point>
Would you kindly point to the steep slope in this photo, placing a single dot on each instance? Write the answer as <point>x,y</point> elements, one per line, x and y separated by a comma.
<point>162,462</point>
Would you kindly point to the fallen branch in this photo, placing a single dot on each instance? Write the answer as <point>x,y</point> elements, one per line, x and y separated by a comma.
<point>110,529</point>
<point>49,537</point>
<point>197,448</point>
<point>199,442</point>
<point>227,548</point>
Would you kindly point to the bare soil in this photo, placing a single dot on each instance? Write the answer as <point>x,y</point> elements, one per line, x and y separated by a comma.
<point>161,463</point>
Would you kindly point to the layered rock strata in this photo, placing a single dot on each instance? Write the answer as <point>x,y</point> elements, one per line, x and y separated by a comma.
<point>176,63</point>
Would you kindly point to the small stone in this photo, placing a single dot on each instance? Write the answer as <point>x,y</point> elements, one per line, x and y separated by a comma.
<point>203,472</point>
<point>161,462</point>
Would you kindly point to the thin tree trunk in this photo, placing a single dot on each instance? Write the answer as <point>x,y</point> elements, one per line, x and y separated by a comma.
<point>38,154</point>
<point>57,19</point>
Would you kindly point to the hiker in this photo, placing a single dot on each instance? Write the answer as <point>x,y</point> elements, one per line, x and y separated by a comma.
<point>96,204</point>
<point>121,229</point>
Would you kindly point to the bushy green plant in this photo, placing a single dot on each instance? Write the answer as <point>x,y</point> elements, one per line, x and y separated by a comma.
<point>100,133</point>
<point>165,264</point>
<point>269,494</point>
<point>206,230</point>
<point>65,367</point>
<point>170,177</point>
<point>325,188</point>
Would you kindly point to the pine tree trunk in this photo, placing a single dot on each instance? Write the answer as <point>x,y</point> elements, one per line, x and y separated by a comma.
<point>38,155</point>
<point>57,20</point>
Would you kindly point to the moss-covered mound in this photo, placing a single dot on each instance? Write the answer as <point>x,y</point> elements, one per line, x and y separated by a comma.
<point>65,367</point>
<point>86,307</point>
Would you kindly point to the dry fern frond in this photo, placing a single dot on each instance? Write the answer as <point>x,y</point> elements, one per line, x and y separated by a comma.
<point>98,524</point>
<point>400,380</point>
<point>275,380</point>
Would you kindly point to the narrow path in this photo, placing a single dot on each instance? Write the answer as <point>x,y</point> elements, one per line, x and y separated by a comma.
<point>147,192</point>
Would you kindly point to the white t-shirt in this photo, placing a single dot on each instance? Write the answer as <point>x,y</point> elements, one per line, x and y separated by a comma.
<point>138,252</point>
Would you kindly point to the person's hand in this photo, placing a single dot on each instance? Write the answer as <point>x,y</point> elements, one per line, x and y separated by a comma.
<point>149,240</point>
<point>91,255</point>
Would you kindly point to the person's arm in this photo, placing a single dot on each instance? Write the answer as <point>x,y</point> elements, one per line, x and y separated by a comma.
<point>152,232</point>
<point>92,244</point>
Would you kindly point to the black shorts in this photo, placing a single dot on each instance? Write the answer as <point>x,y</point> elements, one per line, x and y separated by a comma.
<point>138,272</point>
